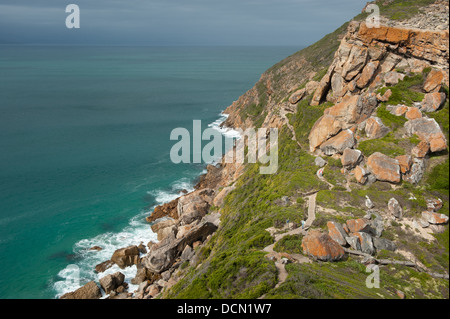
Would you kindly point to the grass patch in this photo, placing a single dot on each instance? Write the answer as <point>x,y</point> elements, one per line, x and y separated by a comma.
<point>387,145</point>
<point>291,244</point>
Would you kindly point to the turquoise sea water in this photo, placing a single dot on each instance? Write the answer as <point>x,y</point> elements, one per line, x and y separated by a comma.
<point>84,148</point>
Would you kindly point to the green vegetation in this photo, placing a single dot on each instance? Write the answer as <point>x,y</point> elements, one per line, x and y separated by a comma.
<point>304,119</point>
<point>291,244</point>
<point>347,279</point>
<point>387,145</point>
<point>234,266</point>
<point>439,177</point>
<point>398,10</point>
<point>389,119</point>
<point>406,91</point>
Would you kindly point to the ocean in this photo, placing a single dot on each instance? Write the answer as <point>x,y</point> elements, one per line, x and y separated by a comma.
<point>84,149</point>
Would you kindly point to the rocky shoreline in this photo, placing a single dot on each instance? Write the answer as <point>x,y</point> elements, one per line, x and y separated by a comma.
<point>182,225</point>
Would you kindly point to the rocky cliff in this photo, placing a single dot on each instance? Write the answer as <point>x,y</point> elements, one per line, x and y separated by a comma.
<point>362,178</point>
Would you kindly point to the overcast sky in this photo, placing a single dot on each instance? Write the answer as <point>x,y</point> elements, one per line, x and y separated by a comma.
<point>175,22</point>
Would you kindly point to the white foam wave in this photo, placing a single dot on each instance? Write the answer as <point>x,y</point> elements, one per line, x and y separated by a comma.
<point>225,131</point>
<point>136,232</point>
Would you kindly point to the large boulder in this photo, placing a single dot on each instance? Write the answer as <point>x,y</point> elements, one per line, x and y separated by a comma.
<point>427,129</point>
<point>297,96</point>
<point>141,274</point>
<point>163,254</point>
<point>112,281</point>
<point>433,101</point>
<point>88,291</point>
<point>125,257</point>
<point>434,204</point>
<point>324,128</point>
<point>320,246</point>
<point>319,161</point>
<point>433,81</point>
<point>337,233</point>
<point>384,168</point>
<point>434,218</point>
<point>350,158</point>
<point>397,110</point>
<point>344,115</point>
<point>187,253</point>
<point>322,88</point>
<point>338,143</point>
<point>167,232</point>
<point>376,226</point>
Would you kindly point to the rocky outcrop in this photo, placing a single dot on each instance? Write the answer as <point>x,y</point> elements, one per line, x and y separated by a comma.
<point>112,282</point>
<point>162,255</point>
<point>167,209</point>
<point>104,266</point>
<point>125,257</point>
<point>341,116</point>
<point>433,101</point>
<point>195,205</point>
<point>88,291</point>
<point>431,46</point>
<point>320,246</point>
